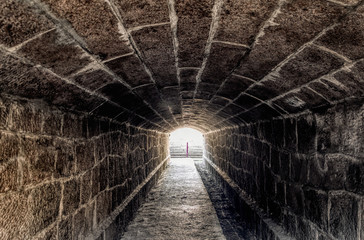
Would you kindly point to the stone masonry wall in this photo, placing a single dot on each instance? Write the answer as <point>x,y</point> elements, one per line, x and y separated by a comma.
<point>303,174</point>
<point>71,176</point>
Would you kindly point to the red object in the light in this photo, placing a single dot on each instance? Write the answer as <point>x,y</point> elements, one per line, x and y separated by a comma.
<point>187,150</point>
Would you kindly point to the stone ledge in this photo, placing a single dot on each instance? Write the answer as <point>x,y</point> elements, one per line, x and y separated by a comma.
<point>263,226</point>
<point>129,206</point>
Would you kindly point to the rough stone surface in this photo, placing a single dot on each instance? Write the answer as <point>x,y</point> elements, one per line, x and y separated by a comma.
<point>89,52</point>
<point>20,22</point>
<point>53,181</point>
<point>308,174</point>
<point>276,87</point>
<point>55,51</point>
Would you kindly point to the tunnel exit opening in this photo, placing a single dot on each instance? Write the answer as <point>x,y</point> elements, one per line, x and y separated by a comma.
<point>186,143</point>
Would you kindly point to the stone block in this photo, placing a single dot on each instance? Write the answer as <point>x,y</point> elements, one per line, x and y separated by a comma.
<point>296,23</point>
<point>93,127</point>
<point>85,156</point>
<point>40,157</point>
<point>275,161</point>
<point>9,147</point>
<point>109,110</point>
<point>66,163</point>
<point>351,81</point>
<point>289,223</point>
<point>86,187</point>
<point>65,228</point>
<point>316,207</point>
<point>299,168</point>
<point>26,118</point>
<point>270,183</point>
<point>217,68</point>
<point>15,215</point>
<point>264,90</point>
<point>305,231</point>
<point>194,19</point>
<point>234,85</point>
<point>232,109</point>
<point>274,210</point>
<point>295,198</point>
<point>347,37</point>
<point>306,133</point>
<point>100,31</point>
<point>355,178</point>
<point>103,206</point>
<point>300,100</point>
<point>325,133</point>
<point>79,225</point>
<point>278,130</point>
<point>138,13</point>
<point>329,171</point>
<point>188,79</point>
<point>290,134</point>
<point>72,126</point>
<point>104,174</point>
<point>4,113</point>
<point>260,112</point>
<point>343,217</point>
<point>95,180</point>
<point>246,102</point>
<point>331,90</point>
<point>44,203</point>
<point>155,43</point>
<point>56,51</point>
<point>285,160</point>
<point>71,196</point>
<point>89,217</point>
<point>52,124</point>
<point>240,22</point>
<point>9,176</point>
<point>308,65</point>
<point>93,79</point>
<point>115,91</point>
<point>20,22</point>
<point>130,69</point>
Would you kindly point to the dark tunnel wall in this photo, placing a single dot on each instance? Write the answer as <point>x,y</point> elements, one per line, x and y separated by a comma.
<point>303,174</point>
<point>70,176</point>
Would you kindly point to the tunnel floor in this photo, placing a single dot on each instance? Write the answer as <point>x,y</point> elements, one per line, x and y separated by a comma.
<point>178,207</point>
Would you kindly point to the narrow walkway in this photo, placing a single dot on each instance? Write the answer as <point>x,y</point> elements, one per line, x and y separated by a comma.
<point>177,208</point>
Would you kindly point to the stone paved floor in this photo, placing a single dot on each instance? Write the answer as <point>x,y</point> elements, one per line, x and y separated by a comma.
<point>177,208</point>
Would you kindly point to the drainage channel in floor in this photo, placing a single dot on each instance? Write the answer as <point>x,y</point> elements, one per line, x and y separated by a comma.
<point>231,222</point>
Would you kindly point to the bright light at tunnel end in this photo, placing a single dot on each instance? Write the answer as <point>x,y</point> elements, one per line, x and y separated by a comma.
<point>183,135</point>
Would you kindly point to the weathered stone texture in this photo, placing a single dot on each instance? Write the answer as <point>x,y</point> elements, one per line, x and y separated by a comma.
<point>20,22</point>
<point>53,181</point>
<point>57,52</point>
<point>155,43</point>
<point>99,30</point>
<point>304,167</point>
<point>194,19</point>
<point>138,13</point>
<point>94,57</point>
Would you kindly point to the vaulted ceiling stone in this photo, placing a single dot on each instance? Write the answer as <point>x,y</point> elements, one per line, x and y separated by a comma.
<point>164,64</point>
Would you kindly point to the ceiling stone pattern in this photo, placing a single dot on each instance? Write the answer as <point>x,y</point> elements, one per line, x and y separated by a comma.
<point>163,64</point>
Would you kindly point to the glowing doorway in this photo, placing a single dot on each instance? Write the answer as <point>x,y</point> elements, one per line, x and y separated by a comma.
<point>186,142</point>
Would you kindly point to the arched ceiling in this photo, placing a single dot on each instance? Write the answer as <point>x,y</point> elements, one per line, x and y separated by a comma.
<point>164,64</point>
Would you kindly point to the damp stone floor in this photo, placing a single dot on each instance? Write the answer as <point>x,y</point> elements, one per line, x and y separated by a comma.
<point>178,207</point>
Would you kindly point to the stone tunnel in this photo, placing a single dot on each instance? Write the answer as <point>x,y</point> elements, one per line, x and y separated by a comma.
<point>90,90</point>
